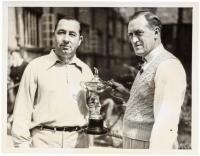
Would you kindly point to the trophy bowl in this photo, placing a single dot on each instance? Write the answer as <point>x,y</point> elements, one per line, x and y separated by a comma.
<point>96,87</point>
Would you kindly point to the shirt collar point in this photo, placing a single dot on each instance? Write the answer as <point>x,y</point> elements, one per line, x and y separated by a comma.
<point>54,60</point>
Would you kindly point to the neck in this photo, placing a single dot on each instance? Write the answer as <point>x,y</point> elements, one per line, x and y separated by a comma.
<point>156,45</point>
<point>65,59</point>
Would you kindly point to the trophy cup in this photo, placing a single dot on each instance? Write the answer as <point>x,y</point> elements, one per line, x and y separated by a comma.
<point>94,87</point>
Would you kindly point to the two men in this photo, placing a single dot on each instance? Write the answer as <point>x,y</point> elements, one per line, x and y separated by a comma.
<point>154,102</point>
<point>50,95</point>
<point>50,107</point>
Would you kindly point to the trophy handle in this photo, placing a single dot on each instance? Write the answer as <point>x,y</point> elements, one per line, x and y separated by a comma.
<point>82,84</point>
<point>96,72</point>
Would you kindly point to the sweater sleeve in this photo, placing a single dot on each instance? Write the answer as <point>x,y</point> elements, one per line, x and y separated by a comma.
<point>23,108</point>
<point>170,86</point>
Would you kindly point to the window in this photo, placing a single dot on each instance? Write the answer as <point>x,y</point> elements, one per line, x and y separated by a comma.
<point>44,43</point>
<point>119,29</point>
<point>110,26</point>
<point>31,29</point>
<point>50,18</point>
<point>47,29</point>
<point>43,27</point>
<point>110,45</point>
<point>85,45</point>
<point>99,42</point>
<point>51,35</point>
<point>44,35</point>
<point>50,26</point>
<point>51,43</point>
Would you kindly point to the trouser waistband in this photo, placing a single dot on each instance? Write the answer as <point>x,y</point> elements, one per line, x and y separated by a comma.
<point>65,128</point>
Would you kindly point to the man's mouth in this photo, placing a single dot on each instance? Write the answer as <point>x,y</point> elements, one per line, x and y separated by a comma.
<point>66,48</point>
<point>64,45</point>
<point>138,46</point>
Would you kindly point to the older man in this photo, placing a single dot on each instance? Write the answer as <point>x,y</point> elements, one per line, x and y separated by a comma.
<point>154,101</point>
<point>50,107</point>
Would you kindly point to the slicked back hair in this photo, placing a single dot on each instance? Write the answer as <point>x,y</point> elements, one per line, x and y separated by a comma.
<point>69,19</point>
<point>152,19</point>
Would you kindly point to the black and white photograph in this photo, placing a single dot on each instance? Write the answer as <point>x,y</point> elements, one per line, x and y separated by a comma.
<point>100,76</point>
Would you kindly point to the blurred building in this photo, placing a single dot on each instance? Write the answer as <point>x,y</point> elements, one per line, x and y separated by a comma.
<point>104,30</point>
<point>105,44</point>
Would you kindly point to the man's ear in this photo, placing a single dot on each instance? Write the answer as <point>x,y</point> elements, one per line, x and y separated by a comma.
<point>80,40</point>
<point>157,30</point>
<point>157,33</point>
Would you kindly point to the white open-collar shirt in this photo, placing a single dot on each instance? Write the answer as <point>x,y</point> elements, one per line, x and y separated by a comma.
<point>50,93</point>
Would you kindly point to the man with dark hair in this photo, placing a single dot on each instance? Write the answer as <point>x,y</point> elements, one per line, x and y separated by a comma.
<point>154,102</point>
<point>68,18</point>
<point>50,108</point>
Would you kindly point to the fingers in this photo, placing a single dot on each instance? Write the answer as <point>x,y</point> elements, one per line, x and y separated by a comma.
<point>114,83</point>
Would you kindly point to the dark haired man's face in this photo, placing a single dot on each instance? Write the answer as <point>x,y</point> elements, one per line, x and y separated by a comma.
<point>67,38</point>
<point>141,36</point>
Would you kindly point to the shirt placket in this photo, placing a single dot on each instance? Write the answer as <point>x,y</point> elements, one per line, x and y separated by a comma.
<point>67,73</point>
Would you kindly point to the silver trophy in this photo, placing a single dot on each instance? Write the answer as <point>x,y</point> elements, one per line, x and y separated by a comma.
<point>94,88</point>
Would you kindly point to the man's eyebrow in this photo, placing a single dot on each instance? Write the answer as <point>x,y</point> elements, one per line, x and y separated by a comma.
<point>61,30</point>
<point>139,30</point>
<point>71,31</point>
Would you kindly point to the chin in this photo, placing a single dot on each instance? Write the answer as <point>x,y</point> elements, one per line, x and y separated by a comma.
<point>69,56</point>
<point>139,53</point>
<point>65,52</point>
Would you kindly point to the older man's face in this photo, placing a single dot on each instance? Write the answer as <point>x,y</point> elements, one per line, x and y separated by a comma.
<point>67,38</point>
<point>141,36</point>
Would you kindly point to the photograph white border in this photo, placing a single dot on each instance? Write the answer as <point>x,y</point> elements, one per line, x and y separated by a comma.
<point>141,3</point>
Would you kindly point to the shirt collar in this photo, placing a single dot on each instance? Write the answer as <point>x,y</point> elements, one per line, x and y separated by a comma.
<point>54,60</point>
<point>155,52</point>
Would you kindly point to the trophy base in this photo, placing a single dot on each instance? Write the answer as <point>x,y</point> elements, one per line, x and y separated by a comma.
<point>95,127</point>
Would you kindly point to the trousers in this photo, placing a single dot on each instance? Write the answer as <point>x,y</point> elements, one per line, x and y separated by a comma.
<point>129,143</point>
<point>59,139</point>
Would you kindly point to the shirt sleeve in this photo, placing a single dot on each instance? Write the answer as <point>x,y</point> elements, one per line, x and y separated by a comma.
<point>88,74</point>
<point>170,86</point>
<point>23,109</point>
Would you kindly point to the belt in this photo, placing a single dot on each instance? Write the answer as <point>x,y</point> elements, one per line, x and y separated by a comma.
<point>65,128</point>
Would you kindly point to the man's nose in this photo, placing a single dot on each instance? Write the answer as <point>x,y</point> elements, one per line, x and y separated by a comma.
<point>66,38</point>
<point>135,39</point>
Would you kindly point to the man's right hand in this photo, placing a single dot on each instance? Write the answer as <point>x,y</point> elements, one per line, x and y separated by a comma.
<point>117,86</point>
<point>119,89</point>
